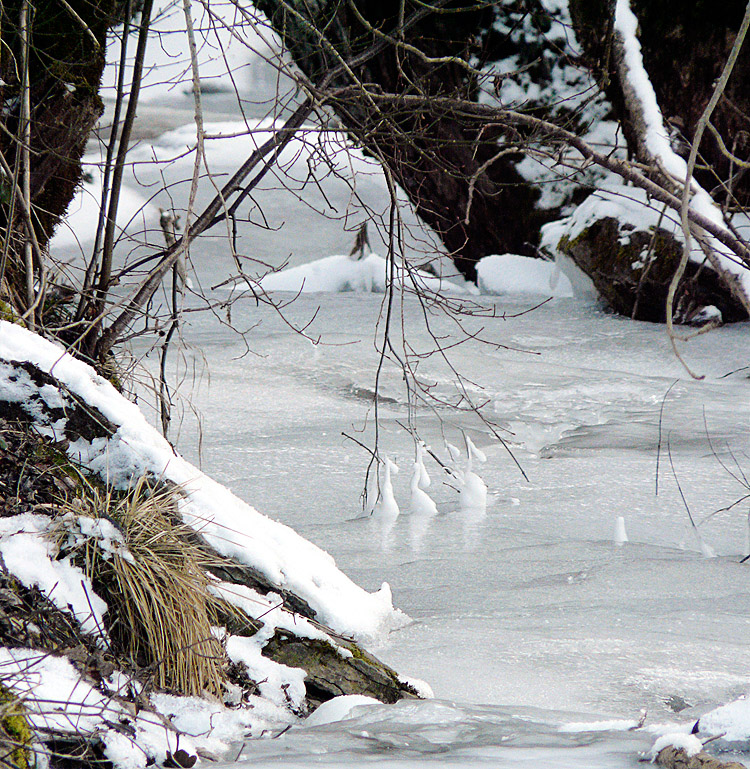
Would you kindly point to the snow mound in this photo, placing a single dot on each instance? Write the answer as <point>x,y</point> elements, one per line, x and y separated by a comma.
<point>338,274</point>
<point>514,274</point>
<point>731,720</point>
<point>231,526</point>
<point>687,742</point>
<point>340,708</point>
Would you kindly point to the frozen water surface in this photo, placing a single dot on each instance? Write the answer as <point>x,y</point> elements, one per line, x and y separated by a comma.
<point>531,609</point>
<point>437,733</point>
<point>542,634</point>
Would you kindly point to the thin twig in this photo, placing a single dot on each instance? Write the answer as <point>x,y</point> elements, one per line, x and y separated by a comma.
<point>658,445</point>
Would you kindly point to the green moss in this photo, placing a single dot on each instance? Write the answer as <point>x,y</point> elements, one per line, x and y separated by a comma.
<point>59,463</point>
<point>16,732</point>
<point>334,669</point>
<point>7,312</point>
<point>73,79</point>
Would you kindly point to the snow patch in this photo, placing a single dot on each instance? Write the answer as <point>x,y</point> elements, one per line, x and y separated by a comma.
<point>338,274</point>
<point>29,553</point>
<point>687,742</point>
<point>78,228</point>
<point>731,720</point>
<point>280,684</point>
<point>340,708</point>
<point>513,274</point>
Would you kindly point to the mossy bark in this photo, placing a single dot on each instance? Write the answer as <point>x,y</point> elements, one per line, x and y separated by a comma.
<point>16,737</point>
<point>332,672</point>
<point>677,758</point>
<point>632,270</point>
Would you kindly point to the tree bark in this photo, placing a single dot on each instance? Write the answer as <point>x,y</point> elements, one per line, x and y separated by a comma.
<point>676,758</point>
<point>471,194</point>
<point>66,60</point>
<point>684,46</point>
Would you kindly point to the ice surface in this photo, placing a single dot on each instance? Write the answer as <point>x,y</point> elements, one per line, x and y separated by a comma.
<point>533,604</point>
<point>338,709</point>
<point>433,733</point>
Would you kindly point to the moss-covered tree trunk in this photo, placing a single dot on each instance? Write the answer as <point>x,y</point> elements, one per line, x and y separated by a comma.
<point>476,201</point>
<point>685,47</point>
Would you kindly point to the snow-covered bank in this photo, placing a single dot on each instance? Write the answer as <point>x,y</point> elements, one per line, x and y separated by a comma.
<point>231,526</point>
<point>61,540</point>
<point>231,54</point>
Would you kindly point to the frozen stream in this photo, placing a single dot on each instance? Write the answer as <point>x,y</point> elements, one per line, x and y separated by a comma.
<point>542,639</point>
<point>532,608</point>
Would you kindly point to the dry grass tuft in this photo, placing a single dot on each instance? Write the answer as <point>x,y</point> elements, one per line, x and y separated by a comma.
<point>154,581</point>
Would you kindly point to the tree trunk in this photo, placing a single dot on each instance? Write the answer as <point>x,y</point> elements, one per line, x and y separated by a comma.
<point>684,46</point>
<point>684,50</point>
<point>471,194</point>
<point>65,65</point>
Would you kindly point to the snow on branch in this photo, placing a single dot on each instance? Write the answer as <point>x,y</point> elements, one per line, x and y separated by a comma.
<point>654,148</point>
